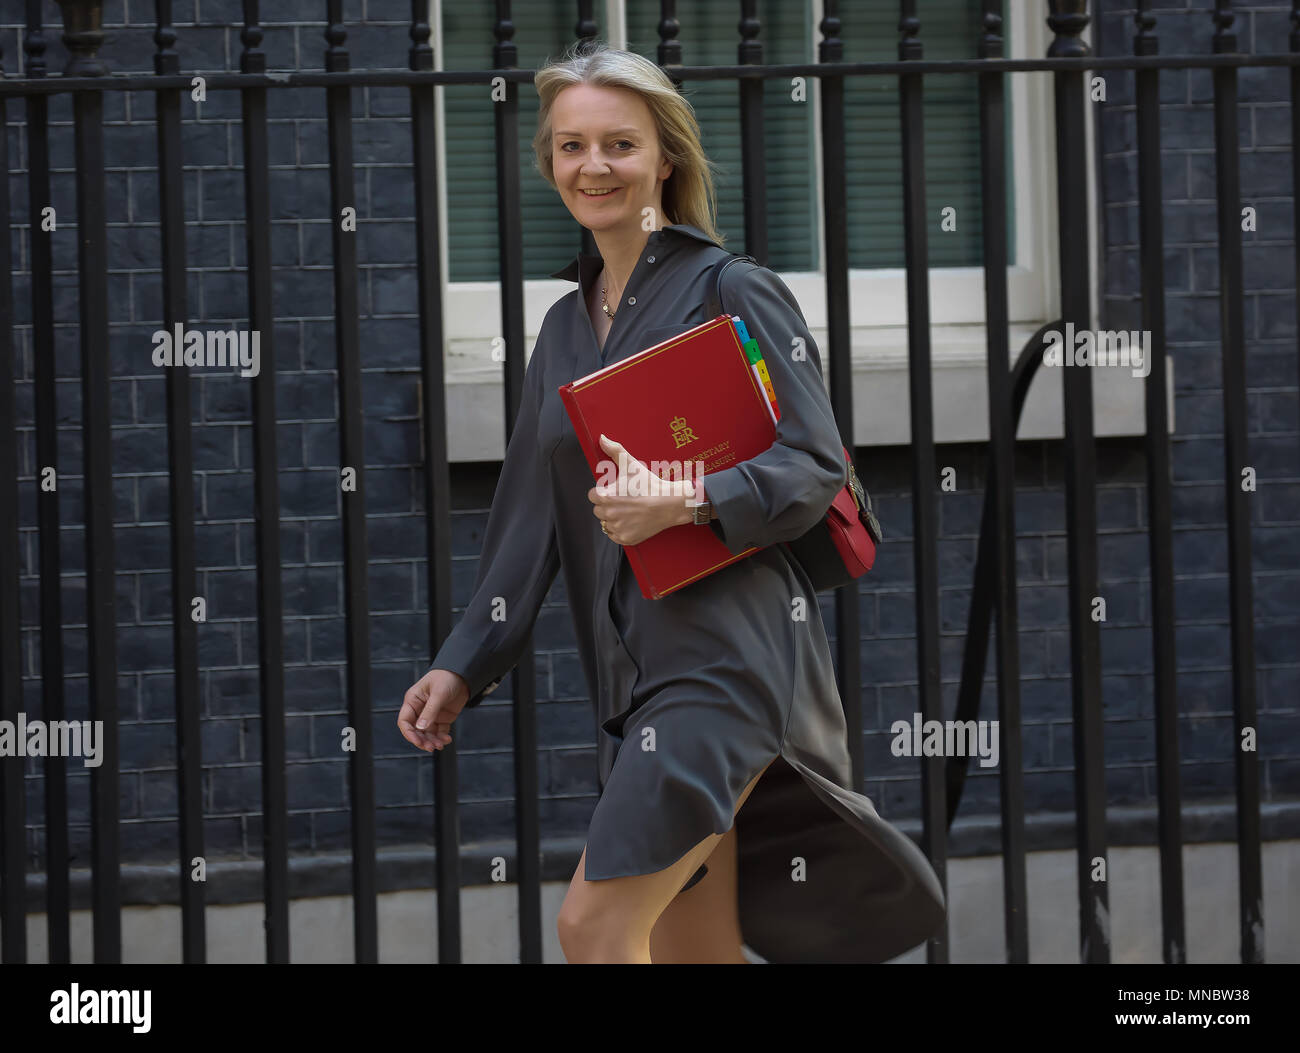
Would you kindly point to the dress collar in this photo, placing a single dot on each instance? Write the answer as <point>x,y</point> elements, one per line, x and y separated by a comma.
<point>574,269</point>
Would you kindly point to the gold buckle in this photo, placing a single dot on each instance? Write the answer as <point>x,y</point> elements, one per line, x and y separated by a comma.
<point>853,486</point>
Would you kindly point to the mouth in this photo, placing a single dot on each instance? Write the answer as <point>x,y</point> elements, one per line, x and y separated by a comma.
<point>605,192</point>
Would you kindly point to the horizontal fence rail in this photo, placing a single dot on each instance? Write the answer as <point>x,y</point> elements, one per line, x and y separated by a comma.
<point>87,78</point>
<point>782,71</point>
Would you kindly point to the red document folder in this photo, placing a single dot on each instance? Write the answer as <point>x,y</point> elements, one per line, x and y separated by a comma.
<point>691,398</point>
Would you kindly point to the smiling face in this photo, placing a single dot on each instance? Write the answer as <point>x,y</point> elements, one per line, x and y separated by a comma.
<point>604,139</point>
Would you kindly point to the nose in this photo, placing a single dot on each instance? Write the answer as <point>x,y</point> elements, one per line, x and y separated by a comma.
<point>594,164</point>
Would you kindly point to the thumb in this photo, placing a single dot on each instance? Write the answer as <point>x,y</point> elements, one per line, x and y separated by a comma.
<point>625,461</point>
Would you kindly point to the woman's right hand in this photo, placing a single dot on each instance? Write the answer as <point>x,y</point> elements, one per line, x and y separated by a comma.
<point>434,701</point>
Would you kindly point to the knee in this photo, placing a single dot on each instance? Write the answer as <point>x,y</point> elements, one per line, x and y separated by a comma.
<point>580,930</point>
<point>588,935</point>
<point>571,934</point>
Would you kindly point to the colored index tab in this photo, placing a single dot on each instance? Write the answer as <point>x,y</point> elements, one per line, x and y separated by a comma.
<point>766,378</point>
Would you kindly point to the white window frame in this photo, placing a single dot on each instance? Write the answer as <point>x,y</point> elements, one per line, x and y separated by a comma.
<point>878,303</point>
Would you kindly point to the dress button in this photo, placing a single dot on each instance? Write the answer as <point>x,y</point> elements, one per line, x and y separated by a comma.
<point>631,300</point>
<point>649,259</point>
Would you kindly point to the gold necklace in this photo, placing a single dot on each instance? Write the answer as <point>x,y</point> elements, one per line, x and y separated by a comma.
<point>604,304</point>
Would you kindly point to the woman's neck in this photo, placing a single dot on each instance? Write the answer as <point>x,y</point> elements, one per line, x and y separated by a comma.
<point>620,255</point>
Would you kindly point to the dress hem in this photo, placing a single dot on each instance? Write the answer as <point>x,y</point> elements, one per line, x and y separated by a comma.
<point>763,769</point>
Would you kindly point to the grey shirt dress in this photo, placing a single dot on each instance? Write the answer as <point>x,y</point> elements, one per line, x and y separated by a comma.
<point>730,672</point>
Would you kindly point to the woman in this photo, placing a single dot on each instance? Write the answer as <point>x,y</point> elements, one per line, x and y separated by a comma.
<point>723,693</point>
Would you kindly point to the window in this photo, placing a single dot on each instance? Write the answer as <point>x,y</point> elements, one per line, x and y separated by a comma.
<point>708,29</point>
<point>790,33</point>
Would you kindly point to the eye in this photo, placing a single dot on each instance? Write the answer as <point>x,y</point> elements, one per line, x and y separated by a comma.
<point>626,141</point>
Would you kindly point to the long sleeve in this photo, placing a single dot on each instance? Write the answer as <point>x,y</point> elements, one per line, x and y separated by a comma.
<point>782,493</point>
<point>518,563</point>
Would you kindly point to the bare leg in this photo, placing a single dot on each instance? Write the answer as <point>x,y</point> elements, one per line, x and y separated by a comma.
<point>702,924</point>
<point>611,921</point>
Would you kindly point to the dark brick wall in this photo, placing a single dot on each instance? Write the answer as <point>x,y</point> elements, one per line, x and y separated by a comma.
<point>308,451</point>
<point>1192,289</point>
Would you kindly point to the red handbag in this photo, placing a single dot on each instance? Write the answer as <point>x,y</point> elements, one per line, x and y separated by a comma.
<point>842,546</point>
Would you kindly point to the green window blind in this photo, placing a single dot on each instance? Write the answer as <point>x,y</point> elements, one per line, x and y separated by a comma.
<point>543,29</point>
<point>949,29</point>
<point>710,38</point>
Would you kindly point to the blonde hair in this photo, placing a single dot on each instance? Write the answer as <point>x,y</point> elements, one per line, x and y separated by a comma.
<point>688,195</point>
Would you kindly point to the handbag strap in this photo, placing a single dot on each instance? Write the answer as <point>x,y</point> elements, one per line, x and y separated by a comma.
<point>713,305</point>
<point>861,498</point>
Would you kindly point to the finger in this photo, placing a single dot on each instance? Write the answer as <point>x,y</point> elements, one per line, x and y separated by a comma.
<point>416,695</point>
<point>418,739</point>
<point>426,740</point>
<point>428,715</point>
<point>412,702</point>
<point>435,732</point>
<point>410,710</point>
<point>421,739</point>
<point>416,700</point>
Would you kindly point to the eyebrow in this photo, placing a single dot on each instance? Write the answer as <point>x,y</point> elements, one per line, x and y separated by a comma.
<point>612,131</point>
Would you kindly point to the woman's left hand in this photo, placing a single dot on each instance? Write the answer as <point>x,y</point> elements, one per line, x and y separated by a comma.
<point>638,504</point>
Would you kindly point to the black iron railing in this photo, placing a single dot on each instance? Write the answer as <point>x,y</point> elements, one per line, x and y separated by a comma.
<point>86,79</point>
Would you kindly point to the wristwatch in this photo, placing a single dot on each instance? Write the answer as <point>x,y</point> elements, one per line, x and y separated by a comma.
<point>701,511</point>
